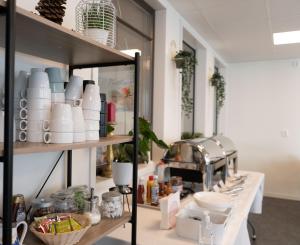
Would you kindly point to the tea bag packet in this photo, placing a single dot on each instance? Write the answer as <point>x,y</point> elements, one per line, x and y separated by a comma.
<point>169,206</point>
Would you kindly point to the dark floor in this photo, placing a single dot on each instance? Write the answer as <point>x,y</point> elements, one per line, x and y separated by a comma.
<point>279,223</point>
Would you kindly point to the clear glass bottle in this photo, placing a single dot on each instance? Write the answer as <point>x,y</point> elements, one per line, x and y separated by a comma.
<point>155,192</point>
<point>92,208</point>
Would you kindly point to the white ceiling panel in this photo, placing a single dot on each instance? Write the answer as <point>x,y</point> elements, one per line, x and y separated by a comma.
<point>241,30</point>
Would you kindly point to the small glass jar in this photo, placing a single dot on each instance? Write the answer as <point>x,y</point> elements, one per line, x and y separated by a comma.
<point>177,184</point>
<point>41,207</point>
<point>112,205</point>
<point>64,201</point>
<point>81,193</point>
<point>92,210</point>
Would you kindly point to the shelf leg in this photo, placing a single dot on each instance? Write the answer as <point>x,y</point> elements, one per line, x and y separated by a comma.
<point>69,168</point>
<point>135,149</point>
<point>8,121</point>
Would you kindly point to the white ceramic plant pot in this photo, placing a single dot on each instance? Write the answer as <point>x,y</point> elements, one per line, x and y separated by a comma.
<point>122,173</point>
<point>99,35</point>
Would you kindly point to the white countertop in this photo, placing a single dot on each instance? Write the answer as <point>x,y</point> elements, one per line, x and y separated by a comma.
<point>148,230</point>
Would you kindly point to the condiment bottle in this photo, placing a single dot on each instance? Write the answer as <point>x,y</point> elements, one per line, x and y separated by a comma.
<point>19,208</point>
<point>149,185</point>
<point>141,191</point>
<point>155,192</point>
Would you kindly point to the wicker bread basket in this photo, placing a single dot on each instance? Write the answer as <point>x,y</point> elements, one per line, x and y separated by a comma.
<point>68,238</point>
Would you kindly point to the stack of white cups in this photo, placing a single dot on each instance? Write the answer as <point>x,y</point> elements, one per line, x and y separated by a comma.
<point>39,105</point>
<point>91,105</point>
<point>20,105</point>
<point>73,98</point>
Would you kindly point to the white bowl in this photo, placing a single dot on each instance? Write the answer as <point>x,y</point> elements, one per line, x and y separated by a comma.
<point>79,137</point>
<point>92,125</point>
<point>58,138</point>
<point>91,115</point>
<point>61,112</point>
<point>39,104</point>
<point>38,93</point>
<point>58,97</point>
<point>213,200</point>
<point>35,136</point>
<point>61,126</point>
<point>92,135</point>
<point>39,115</point>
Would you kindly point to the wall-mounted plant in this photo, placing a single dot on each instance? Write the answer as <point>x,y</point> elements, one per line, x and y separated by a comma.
<point>186,61</point>
<point>217,81</point>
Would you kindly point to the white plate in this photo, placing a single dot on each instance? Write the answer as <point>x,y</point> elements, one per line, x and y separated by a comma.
<point>213,200</point>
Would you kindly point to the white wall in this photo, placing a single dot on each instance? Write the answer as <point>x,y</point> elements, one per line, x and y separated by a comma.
<point>263,101</point>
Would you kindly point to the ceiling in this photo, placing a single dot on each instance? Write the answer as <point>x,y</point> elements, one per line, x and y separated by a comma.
<point>241,30</point>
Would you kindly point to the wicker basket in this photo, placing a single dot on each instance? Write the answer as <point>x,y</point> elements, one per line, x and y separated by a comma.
<point>68,238</point>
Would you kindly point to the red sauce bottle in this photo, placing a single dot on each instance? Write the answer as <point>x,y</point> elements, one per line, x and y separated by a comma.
<point>141,191</point>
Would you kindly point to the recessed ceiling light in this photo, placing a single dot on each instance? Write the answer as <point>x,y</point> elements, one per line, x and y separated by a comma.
<point>286,37</point>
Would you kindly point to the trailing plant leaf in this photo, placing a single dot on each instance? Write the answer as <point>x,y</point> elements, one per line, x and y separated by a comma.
<point>217,81</point>
<point>188,69</point>
<point>190,135</point>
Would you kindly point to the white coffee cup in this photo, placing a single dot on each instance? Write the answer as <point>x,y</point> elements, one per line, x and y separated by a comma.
<point>91,98</point>
<point>35,136</point>
<point>91,115</point>
<point>21,84</point>
<point>61,126</point>
<point>78,120</point>
<point>38,79</point>
<point>57,98</point>
<point>38,125</point>
<point>23,103</point>
<point>78,137</point>
<point>39,104</point>
<point>58,138</point>
<point>92,125</point>
<point>74,103</point>
<point>23,124</point>
<point>22,136</point>
<point>39,115</point>
<point>61,112</point>
<point>92,135</point>
<point>38,93</point>
<point>23,113</point>
<point>74,88</point>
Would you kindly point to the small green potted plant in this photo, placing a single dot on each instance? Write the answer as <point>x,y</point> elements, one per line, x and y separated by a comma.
<point>123,153</point>
<point>97,22</point>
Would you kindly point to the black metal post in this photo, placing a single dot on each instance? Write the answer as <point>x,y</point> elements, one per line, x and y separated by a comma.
<point>135,149</point>
<point>8,121</point>
<point>69,168</point>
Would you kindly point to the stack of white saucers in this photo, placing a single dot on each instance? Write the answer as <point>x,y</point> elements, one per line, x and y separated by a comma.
<point>91,105</point>
<point>56,85</point>
<point>39,105</point>
<point>61,125</point>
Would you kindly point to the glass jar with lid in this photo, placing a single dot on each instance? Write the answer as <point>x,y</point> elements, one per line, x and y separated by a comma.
<point>81,193</point>
<point>41,207</point>
<point>112,205</point>
<point>64,201</point>
<point>92,209</point>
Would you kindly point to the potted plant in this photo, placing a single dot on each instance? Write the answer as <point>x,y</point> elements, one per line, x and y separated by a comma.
<point>97,22</point>
<point>186,61</point>
<point>123,153</point>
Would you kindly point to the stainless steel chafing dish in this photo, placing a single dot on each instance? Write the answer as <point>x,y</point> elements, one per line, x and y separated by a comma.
<point>229,149</point>
<point>197,160</point>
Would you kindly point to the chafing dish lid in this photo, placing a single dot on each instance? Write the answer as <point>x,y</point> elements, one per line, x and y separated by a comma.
<point>226,143</point>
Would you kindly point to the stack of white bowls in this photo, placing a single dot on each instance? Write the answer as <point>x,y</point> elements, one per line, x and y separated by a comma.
<point>20,105</point>
<point>73,98</point>
<point>39,105</point>
<point>91,105</point>
<point>56,85</point>
<point>61,125</point>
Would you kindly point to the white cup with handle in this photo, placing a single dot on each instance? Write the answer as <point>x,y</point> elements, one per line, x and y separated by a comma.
<point>38,125</point>
<point>91,98</point>
<point>62,112</point>
<point>38,79</point>
<point>23,125</point>
<point>39,115</point>
<point>23,113</point>
<point>58,138</point>
<point>74,88</point>
<point>14,236</point>
<point>39,104</point>
<point>22,135</point>
<point>39,93</point>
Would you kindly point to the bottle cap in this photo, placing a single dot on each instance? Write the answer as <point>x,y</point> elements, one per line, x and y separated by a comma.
<point>151,177</point>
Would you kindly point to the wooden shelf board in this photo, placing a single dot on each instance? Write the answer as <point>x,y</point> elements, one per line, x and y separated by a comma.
<point>40,37</point>
<point>26,147</point>
<point>94,234</point>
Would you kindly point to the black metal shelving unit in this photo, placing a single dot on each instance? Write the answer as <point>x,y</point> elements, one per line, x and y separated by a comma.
<point>11,45</point>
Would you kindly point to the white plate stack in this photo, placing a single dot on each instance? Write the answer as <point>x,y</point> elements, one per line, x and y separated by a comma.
<point>39,105</point>
<point>91,105</point>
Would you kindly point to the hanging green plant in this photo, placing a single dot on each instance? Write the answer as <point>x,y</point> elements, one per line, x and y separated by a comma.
<point>186,61</point>
<point>217,81</point>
